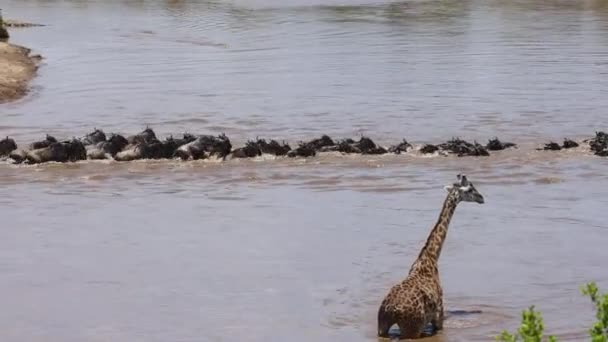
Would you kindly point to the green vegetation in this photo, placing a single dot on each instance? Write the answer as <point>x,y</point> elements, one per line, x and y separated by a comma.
<point>530,330</point>
<point>599,330</point>
<point>3,31</point>
<point>532,327</point>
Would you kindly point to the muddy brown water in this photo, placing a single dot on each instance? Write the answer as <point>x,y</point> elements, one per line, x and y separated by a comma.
<point>303,250</point>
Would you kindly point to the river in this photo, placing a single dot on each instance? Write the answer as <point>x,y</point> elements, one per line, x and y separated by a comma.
<point>272,249</point>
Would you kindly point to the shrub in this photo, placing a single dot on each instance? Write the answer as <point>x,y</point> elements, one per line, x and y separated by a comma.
<point>532,327</point>
<point>599,329</point>
<point>530,330</point>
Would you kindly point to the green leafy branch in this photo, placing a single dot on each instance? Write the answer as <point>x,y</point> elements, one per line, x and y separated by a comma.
<point>532,328</point>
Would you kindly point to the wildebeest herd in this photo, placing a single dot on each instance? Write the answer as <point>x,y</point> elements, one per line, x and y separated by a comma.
<point>146,145</point>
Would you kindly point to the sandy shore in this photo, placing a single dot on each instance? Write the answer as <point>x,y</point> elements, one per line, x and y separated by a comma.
<point>17,68</point>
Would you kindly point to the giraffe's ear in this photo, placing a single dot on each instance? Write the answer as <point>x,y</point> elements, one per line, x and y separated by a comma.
<point>448,188</point>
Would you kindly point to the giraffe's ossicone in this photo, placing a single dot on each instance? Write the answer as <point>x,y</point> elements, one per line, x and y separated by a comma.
<point>417,301</point>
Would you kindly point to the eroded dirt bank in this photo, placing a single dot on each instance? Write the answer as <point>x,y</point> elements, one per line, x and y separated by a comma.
<point>17,68</point>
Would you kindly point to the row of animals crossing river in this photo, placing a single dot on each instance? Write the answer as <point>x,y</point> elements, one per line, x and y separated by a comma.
<point>146,145</point>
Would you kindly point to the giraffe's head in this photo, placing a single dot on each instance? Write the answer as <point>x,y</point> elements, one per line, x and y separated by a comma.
<point>465,191</point>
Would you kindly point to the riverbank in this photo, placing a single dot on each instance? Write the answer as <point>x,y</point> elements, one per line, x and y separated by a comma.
<point>19,67</point>
<point>16,23</point>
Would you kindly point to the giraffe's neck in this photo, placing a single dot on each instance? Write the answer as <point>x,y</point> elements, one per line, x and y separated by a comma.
<point>429,255</point>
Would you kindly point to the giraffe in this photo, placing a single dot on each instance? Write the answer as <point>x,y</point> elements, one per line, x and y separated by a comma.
<point>417,301</point>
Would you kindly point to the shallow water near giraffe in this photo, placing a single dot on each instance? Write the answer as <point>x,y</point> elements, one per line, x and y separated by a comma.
<point>303,249</point>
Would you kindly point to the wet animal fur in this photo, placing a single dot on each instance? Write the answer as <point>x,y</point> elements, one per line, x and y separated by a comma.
<point>18,156</point>
<point>66,151</point>
<point>552,146</point>
<point>569,144</point>
<point>250,150</point>
<point>303,150</point>
<point>93,138</point>
<point>464,148</point>
<point>428,149</point>
<point>402,147</point>
<point>497,145</point>
<point>204,147</point>
<point>43,143</point>
<point>7,145</point>
<point>145,136</point>
<point>599,144</point>
<point>259,147</point>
